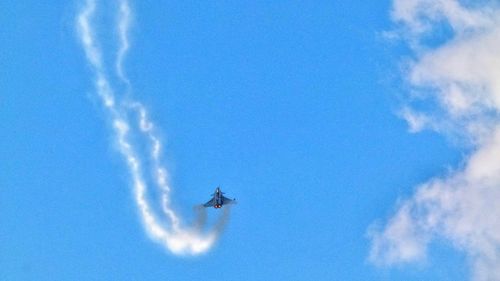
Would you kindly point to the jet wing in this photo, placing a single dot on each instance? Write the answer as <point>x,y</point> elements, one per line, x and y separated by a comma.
<point>226,200</point>
<point>210,203</point>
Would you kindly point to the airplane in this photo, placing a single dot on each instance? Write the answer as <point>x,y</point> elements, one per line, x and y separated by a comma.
<point>218,200</point>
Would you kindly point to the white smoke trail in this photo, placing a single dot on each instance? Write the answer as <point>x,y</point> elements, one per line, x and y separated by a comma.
<point>172,235</point>
<point>124,19</point>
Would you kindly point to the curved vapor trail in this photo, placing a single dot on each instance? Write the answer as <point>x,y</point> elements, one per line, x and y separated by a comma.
<point>171,233</point>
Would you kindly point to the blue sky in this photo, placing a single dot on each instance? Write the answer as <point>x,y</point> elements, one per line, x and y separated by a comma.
<point>293,108</point>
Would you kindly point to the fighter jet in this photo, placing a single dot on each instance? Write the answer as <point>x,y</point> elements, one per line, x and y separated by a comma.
<point>218,200</point>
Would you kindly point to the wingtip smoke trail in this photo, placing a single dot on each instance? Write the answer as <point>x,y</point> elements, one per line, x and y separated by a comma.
<point>123,27</point>
<point>172,235</point>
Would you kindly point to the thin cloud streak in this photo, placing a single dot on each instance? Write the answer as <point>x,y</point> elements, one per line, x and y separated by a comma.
<point>171,234</point>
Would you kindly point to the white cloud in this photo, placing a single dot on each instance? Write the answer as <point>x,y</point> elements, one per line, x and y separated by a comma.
<point>420,15</point>
<point>462,77</point>
<point>416,121</point>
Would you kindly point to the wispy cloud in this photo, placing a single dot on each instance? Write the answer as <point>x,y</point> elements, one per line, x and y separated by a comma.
<point>461,76</point>
<point>130,120</point>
